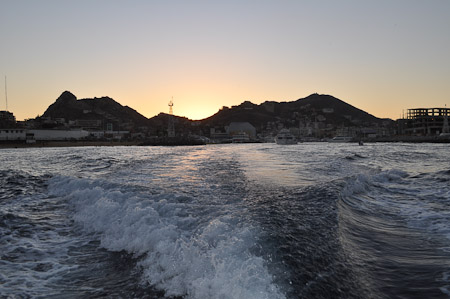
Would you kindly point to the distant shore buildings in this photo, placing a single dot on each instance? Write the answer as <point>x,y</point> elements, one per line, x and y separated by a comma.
<point>315,118</point>
<point>47,129</point>
<point>241,127</point>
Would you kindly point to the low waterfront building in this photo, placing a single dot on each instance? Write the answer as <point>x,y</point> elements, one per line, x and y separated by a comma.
<point>116,135</point>
<point>41,135</point>
<point>56,135</point>
<point>239,127</point>
<point>218,135</point>
<point>12,134</point>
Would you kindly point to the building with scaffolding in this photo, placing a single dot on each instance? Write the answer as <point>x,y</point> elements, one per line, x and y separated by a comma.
<point>425,121</point>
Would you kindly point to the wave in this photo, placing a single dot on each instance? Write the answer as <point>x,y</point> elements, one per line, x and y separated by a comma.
<point>15,184</point>
<point>182,248</point>
<point>355,156</point>
<point>422,200</point>
<point>395,227</point>
<point>34,235</point>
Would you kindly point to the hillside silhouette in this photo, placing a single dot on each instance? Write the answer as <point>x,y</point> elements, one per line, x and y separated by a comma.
<point>335,112</point>
<point>67,106</point>
<point>326,109</point>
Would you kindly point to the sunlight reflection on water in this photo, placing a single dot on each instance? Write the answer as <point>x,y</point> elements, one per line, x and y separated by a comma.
<point>263,165</point>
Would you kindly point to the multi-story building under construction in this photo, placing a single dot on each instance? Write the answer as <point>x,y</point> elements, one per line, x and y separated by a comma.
<point>425,121</point>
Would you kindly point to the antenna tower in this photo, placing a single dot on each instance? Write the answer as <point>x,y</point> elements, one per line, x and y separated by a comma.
<point>171,128</point>
<point>170,107</point>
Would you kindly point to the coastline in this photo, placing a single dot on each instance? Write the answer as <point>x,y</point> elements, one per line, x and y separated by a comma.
<point>164,142</point>
<point>67,144</point>
<point>409,139</point>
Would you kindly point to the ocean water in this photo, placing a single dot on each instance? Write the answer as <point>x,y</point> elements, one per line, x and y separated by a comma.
<point>313,220</point>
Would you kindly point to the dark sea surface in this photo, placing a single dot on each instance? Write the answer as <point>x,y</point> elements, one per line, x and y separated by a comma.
<point>313,220</point>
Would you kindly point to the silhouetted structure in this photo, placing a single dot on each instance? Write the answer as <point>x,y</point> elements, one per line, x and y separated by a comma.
<point>425,121</point>
<point>171,128</point>
<point>7,120</point>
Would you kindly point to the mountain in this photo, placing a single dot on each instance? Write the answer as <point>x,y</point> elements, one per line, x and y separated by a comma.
<point>105,109</point>
<point>324,108</point>
<point>324,112</point>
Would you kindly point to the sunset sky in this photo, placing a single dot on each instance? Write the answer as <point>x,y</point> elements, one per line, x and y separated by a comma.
<point>381,56</point>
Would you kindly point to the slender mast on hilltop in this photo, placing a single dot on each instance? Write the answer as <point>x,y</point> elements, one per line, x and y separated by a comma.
<point>171,128</point>
<point>170,107</point>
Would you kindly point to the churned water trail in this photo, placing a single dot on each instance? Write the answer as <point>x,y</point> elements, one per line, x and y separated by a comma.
<point>312,220</point>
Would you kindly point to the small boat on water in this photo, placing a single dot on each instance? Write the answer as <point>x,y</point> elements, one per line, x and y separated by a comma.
<point>341,139</point>
<point>285,137</point>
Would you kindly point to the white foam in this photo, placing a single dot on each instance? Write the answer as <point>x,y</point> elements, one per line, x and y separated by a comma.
<point>181,253</point>
<point>32,254</point>
<point>421,203</point>
<point>363,182</point>
<point>445,288</point>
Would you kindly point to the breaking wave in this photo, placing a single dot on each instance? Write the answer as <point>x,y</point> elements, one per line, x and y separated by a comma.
<point>178,251</point>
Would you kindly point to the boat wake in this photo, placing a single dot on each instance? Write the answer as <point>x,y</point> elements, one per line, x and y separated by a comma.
<point>395,233</point>
<point>179,252</point>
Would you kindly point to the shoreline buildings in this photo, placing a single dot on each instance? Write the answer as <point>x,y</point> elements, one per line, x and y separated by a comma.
<point>314,118</point>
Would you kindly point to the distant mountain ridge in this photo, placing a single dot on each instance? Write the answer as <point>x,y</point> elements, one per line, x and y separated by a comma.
<point>323,108</point>
<point>335,111</point>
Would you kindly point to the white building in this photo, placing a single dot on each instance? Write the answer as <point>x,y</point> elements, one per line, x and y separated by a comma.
<point>44,135</point>
<point>12,134</point>
<point>116,135</point>
<point>48,135</point>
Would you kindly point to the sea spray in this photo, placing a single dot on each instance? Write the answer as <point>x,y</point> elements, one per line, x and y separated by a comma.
<point>179,253</point>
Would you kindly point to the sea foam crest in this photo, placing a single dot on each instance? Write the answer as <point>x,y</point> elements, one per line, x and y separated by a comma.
<point>179,253</point>
<point>421,202</point>
<point>362,182</point>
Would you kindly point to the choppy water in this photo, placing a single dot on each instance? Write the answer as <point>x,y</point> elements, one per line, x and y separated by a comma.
<point>226,221</point>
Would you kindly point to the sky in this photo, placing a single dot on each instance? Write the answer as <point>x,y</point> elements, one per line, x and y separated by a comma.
<point>381,56</point>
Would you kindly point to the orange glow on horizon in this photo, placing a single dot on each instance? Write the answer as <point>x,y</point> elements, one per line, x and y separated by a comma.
<point>381,63</point>
<point>196,114</point>
<point>195,108</point>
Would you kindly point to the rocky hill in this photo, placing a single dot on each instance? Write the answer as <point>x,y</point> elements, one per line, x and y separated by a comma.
<point>105,109</point>
<point>325,108</point>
